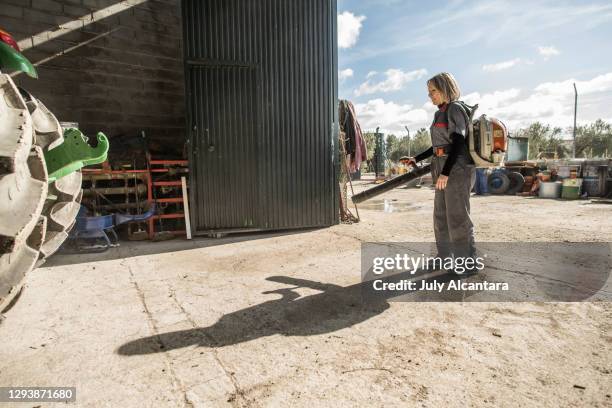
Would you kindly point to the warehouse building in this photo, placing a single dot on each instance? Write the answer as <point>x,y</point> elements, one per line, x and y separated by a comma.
<point>246,91</point>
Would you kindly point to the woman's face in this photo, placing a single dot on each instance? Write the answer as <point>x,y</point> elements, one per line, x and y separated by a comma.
<point>437,98</point>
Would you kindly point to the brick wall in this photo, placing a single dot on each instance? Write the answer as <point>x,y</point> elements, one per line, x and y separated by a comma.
<point>111,65</point>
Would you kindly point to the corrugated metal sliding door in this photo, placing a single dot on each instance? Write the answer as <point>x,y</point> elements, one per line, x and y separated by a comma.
<point>262,91</point>
<point>225,145</point>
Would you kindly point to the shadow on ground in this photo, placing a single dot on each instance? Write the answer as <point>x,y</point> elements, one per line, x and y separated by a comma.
<point>335,308</point>
<point>128,249</point>
<point>521,272</point>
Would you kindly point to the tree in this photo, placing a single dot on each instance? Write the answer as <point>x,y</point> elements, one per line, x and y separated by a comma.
<point>391,143</point>
<point>402,149</point>
<point>544,139</point>
<point>370,141</point>
<point>421,141</point>
<point>407,146</point>
<point>594,140</point>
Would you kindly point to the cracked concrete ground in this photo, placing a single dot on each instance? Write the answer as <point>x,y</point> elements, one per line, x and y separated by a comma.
<point>271,319</point>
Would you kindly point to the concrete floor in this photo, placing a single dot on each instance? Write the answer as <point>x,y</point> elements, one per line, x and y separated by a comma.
<point>272,319</point>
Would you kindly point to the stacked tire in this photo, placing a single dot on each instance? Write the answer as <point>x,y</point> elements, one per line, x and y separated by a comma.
<point>35,216</point>
<point>500,182</point>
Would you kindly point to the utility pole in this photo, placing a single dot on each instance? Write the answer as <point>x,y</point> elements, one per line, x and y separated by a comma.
<point>575,113</point>
<point>409,150</point>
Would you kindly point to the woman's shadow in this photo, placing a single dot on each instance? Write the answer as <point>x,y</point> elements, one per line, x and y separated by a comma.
<point>335,308</point>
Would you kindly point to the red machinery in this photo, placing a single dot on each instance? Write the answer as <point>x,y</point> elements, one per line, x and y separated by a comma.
<point>134,190</point>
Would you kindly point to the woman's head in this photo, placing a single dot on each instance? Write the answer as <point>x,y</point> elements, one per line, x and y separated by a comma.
<point>443,88</point>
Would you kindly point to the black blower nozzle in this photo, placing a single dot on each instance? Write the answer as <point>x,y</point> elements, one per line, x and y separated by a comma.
<point>391,184</point>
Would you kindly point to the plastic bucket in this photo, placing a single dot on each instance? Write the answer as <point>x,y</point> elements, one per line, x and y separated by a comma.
<point>550,189</point>
<point>571,192</point>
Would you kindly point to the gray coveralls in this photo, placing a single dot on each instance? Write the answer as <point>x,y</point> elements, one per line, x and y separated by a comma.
<point>453,226</point>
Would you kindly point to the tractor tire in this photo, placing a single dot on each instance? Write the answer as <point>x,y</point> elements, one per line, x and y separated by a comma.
<point>35,216</point>
<point>517,181</point>
<point>23,191</point>
<point>64,199</point>
<point>498,183</point>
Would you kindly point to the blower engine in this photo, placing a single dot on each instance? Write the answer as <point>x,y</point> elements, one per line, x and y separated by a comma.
<point>487,140</point>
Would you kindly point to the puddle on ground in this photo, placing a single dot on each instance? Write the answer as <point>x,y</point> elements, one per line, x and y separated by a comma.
<point>388,206</point>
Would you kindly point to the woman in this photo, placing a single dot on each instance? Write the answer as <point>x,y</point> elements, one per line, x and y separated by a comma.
<point>451,169</point>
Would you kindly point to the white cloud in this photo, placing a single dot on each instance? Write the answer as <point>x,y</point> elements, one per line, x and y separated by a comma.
<point>395,80</point>
<point>345,73</point>
<point>551,103</point>
<point>371,74</point>
<point>390,116</point>
<point>349,27</point>
<point>601,83</point>
<point>500,66</point>
<point>492,100</point>
<point>548,52</point>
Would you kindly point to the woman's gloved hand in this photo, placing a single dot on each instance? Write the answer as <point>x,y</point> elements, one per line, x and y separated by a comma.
<point>408,161</point>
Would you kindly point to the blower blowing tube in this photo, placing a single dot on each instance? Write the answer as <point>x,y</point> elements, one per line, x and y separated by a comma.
<point>391,184</point>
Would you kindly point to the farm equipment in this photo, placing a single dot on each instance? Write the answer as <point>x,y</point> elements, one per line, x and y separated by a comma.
<point>97,234</point>
<point>40,178</point>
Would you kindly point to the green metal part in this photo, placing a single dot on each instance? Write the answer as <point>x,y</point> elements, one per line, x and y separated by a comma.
<point>12,59</point>
<point>74,154</point>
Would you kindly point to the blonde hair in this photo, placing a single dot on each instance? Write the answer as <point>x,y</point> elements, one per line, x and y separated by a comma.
<point>447,85</point>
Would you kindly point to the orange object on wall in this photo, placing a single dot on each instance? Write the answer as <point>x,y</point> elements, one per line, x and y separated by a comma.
<point>500,139</point>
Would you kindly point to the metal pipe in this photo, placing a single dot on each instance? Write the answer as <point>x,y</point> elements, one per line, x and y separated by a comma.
<point>141,189</point>
<point>391,184</point>
<point>408,136</point>
<point>89,177</point>
<point>575,113</point>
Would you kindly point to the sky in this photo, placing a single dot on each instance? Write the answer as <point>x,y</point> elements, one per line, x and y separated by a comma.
<point>517,59</point>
